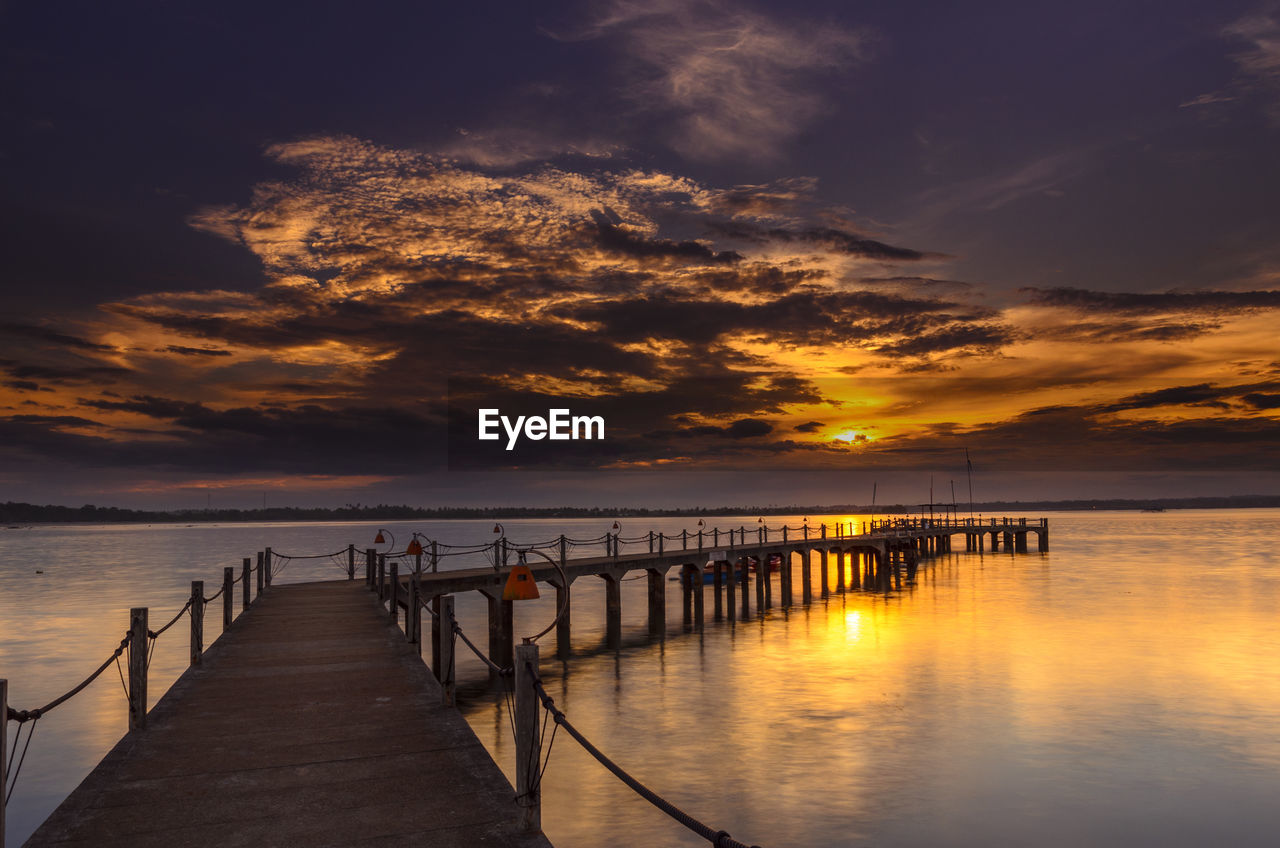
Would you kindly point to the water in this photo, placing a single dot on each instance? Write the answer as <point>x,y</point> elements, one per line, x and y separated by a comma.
<point>1121,689</point>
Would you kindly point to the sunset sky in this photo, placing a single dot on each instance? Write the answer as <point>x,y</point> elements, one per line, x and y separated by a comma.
<point>786,251</point>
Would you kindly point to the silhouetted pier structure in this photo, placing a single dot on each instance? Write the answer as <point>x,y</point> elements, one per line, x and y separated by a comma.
<point>313,720</point>
<point>731,561</point>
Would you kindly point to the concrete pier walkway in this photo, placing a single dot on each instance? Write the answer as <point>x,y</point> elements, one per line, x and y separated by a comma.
<point>309,723</point>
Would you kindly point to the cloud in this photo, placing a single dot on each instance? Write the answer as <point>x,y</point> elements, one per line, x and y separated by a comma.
<point>1141,303</point>
<point>730,82</point>
<point>46,334</point>
<point>1258,59</point>
<point>710,326</point>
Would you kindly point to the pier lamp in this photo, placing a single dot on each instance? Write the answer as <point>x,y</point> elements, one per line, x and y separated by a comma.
<point>381,539</point>
<point>520,585</point>
<point>497,529</point>
<point>414,547</point>
<point>564,606</point>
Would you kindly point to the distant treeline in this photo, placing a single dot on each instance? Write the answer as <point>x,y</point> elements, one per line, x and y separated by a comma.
<point>25,513</point>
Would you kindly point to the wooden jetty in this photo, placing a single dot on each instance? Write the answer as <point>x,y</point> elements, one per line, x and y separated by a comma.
<point>880,558</point>
<point>309,722</point>
<point>313,720</point>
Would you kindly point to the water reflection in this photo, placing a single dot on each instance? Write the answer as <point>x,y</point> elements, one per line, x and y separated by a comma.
<point>1122,688</point>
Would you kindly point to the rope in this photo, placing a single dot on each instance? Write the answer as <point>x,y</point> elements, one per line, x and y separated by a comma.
<point>13,782</point>
<point>275,553</point>
<point>215,595</point>
<point>501,672</point>
<point>718,838</point>
<point>31,715</point>
<point>155,634</point>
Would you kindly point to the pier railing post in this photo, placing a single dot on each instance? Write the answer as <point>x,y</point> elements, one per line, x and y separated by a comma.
<point>415,612</point>
<point>244,578</point>
<point>684,540</point>
<point>138,668</point>
<point>435,558</point>
<point>266,561</point>
<point>528,792</point>
<point>351,562</point>
<point>262,574</point>
<point>197,621</point>
<point>393,589</point>
<point>444,666</point>
<point>228,593</point>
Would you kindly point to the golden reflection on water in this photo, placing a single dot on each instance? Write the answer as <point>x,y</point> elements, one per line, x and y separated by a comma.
<point>1123,688</point>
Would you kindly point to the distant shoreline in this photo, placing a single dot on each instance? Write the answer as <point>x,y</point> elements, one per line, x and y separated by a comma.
<point>23,513</point>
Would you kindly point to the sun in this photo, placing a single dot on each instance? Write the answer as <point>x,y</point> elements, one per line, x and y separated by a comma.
<point>850,437</point>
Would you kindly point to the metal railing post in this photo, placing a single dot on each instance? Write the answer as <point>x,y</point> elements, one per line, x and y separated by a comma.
<point>351,562</point>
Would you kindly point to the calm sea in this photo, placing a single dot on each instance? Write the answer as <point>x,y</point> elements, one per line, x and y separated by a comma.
<point>1122,689</point>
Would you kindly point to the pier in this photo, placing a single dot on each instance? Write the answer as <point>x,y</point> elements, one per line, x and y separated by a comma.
<point>314,720</point>
<point>310,722</point>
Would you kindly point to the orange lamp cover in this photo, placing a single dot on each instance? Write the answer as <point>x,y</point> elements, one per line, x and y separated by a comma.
<point>520,585</point>
<point>415,547</point>
<point>379,539</point>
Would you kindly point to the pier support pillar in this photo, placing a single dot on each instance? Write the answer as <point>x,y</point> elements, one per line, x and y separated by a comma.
<point>826,566</point>
<point>730,596</point>
<point>501,632</point>
<point>1020,542</point>
<point>1043,543</point>
<point>746,596</point>
<point>806,575</point>
<point>612,610</point>
<point>762,578</point>
<point>784,575</point>
<point>840,555</point>
<point>562,625</point>
<point>855,580</point>
<point>657,602</point>
<point>698,586</point>
<point>1008,541</point>
<point>716,582</point>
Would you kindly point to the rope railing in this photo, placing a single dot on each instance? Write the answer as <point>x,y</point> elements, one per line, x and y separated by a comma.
<point>494,667</point>
<point>275,553</point>
<point>155,634</point>
<point>31,715</point>
<point>718,838</point>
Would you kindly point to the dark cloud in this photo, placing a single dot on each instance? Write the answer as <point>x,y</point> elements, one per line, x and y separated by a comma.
<point>45,334</point>
<point>612,237</point>
<point>1202,394</point>
<point>193,351</point>
<point>830,239</point>
<point>808,427</point>
<point>958,336</point>
<point>54,420</point>
<point>1259,400</point>
<point>73,375</point>
<point>1133,303</point>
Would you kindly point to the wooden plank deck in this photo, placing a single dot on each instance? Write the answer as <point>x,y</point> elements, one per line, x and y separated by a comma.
<point>311,722</point>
